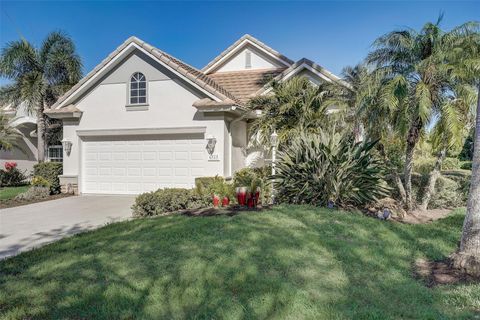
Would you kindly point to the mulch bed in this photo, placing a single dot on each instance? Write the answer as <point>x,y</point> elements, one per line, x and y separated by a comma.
<point>435,273</point>
<point>10,203</point>
<point>226,211</point>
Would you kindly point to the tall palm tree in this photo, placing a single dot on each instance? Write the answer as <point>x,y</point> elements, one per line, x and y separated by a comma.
<point>418,71</point>
<point>467,257</point>
<point>8,134</point>
<point>39,76</point>
<point>293,106</point>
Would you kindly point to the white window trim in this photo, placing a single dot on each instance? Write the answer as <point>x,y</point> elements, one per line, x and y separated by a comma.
<point>55,159</point>
<point>137,106</point>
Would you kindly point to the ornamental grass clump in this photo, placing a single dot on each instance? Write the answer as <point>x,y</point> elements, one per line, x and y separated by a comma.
<point>329,167</point>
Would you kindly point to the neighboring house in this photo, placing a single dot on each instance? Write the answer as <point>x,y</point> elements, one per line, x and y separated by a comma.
<point>143,120</point>
<point>25,154</point>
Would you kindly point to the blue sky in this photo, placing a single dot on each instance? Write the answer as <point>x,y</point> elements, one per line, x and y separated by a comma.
<point>334,34</point>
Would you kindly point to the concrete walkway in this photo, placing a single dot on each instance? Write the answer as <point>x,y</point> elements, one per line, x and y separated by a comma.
<point>26,227</point>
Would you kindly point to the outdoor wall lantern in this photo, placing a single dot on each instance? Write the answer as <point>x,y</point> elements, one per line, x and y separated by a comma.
<point>211,142</point>
<point>67,146</point>
<point>273,142</point>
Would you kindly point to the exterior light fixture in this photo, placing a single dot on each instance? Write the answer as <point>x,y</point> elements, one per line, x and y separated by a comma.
<point>273,142</point>
<point>67,146</point>
<point>211,142</point>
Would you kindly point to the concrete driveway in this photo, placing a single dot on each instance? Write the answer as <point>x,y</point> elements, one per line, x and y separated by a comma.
<point>26,227</point>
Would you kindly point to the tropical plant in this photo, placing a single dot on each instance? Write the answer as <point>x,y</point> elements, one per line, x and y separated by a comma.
<point>467,258</point>
<point>365,98</point>
<point>39,76</point>
<point>417,68</point>
<point>318,168</point>
<point>292,107</point>
<point>8,134</point>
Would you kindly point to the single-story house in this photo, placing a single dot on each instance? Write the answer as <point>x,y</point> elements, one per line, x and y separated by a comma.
<point>142,119</point>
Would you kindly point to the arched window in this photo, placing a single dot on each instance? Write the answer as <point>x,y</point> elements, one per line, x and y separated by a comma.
<point>138,89</point>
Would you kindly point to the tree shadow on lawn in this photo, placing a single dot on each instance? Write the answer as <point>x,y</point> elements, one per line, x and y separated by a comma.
<point>296,262</point>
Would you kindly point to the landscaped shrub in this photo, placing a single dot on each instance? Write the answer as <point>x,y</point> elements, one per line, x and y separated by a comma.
<point>466,165</point>
<point>34,193</point>
<point>39,181</point>
<point>209,186</point>
<point>168,200</point>
<point>251,177</point>
<point>11,175</point>
<point>50,171</point>
<point>316,169</point>
<point>451,164</point>
<point>449,193</point>
<point>451,189</point>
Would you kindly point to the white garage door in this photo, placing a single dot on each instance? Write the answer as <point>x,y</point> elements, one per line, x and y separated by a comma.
<point>136,166</point>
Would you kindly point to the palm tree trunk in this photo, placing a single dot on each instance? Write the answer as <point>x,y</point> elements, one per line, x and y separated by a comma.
<point>396,176</point>
<point>468,256</point>
<point>432,180</point>
<point>40,132</point>
<point>412,139</point>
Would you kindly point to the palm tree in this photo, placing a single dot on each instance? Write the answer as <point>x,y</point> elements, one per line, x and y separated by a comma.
<point>467,258</point>
<point>8,134</point>
<point>292,107</point>
<point>39,76</point>
<point>418,72</point>
<point>450,131</point>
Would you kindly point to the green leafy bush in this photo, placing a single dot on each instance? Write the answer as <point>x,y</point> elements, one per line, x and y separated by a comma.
<point>255,177</point>
<point>34,193</point>
<point>315,169</point>
<point>50,171</point>
<point>451,188</point>
<point>208,186</point>
<point>451,164</point>
<point>39,181</point>
<point>466,165</point>
<point>449,193</point>
<point>168,200</point>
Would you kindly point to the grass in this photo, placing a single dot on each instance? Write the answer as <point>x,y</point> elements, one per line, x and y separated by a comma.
<point>292,262</point>
<point>7,193</point>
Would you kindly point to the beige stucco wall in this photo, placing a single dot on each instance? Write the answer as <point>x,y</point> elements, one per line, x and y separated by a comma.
<point>170,102</point>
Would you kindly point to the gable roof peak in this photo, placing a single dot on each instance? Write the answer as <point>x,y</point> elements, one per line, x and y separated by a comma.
<point>186,71</point>
<point>238,44</point>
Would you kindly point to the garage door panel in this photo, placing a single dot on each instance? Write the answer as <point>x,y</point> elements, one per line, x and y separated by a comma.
<point>136,166</point>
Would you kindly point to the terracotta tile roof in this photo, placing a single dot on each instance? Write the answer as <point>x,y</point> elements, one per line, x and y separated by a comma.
<point>186,70</point>
<point>242,84</point>
<point>253,40</point>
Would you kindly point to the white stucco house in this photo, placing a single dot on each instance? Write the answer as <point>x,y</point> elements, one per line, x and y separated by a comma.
<point>143,120</point>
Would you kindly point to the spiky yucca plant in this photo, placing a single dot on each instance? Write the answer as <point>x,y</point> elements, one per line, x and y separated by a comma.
<point>329,166</point>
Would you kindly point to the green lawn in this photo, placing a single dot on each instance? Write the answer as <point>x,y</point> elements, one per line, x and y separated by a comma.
<point>290,262</point>
<point>7,193</point>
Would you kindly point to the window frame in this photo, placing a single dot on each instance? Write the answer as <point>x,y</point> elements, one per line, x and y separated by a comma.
<point>129,90</point>
<point>58,157</point>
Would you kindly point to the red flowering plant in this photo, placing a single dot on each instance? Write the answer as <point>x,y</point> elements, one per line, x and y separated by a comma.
<point>10,166</point>
<point>11,176</point>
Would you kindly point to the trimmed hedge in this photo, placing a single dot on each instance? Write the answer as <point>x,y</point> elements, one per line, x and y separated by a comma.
<point>50,172</point>
<point>168,200</point>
